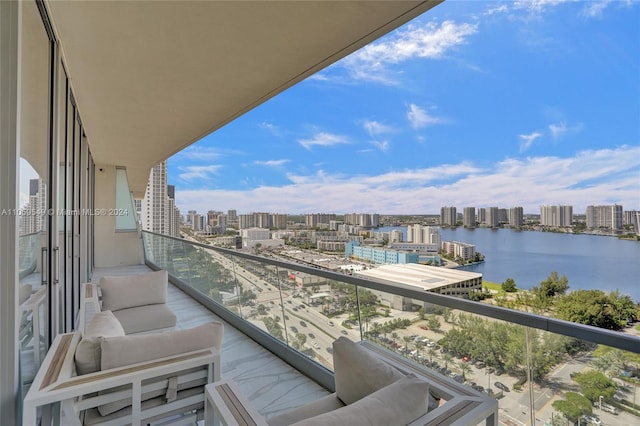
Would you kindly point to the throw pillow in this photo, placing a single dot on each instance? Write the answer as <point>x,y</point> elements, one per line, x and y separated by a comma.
<point>134,290</point>
<point>358,372</point>
<point>88,352</point>
<point>399,403</point>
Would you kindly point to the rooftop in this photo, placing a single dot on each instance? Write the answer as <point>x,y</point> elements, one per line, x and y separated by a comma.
<point>420,276</point>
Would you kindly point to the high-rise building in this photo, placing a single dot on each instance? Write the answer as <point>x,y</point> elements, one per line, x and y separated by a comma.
<point>419,234</point>
<point>492,217</point>
<point>632,217</point>
<point>561,215</point>
<point>33,211</point>
<point>608,217</point>
<point>516,217</point>
<point>279,221</point>
<point>158,209</point>
<point>448,216</point>
<point>469,217</point>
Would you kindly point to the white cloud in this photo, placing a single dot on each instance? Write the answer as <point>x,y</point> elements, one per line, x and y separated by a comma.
<point>376,128</point>
<point>323,139</point>
<point>381,145</point>
<point>527,140</point>
<point>561,129</point>
<point>198,172</point>
<point>270,127</point>
<point>419,118</point>
<point>272,163</point>
<point>426,41</point>
<point>588,177</point>
<point>195,152</point>
<point>594,9</point>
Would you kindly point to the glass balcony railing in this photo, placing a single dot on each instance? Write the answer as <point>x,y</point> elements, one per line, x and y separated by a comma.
<point>540,369</point>
<point>28,246</point>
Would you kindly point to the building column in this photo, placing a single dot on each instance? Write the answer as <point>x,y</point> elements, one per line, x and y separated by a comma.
<point>9,172</point>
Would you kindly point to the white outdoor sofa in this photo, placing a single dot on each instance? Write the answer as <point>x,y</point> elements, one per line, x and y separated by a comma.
<point>374,386</point>
<point>104,375</point>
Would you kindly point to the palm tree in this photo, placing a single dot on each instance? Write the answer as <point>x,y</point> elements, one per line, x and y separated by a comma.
<point>407,340</point>
<point>465,369</point>
<point>419,345</point>
<point>431,352</point>
<point>394,337</point>
<point>447,358</point>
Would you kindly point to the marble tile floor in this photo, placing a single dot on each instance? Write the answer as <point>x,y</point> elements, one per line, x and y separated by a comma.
<point>269,383</point>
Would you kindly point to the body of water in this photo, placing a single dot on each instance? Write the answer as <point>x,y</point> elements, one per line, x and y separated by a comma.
<point>589,261</point>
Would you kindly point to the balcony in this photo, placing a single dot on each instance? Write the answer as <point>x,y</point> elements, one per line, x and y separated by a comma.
<point>281,318</point>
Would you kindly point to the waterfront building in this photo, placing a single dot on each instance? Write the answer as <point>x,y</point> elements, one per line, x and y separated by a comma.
<point>319,220</point>
<point>451,282</point>
<point>561,215</point>
<point>516,217</point>
<point>632,217</point>
<point>379,255</point>
<point>469,217</point>
<point>154,203</point>
<point>492,218</point>
<point>457,249</point>
<point>448,216</point>
<point>607,217</point>
<point>419,234</point>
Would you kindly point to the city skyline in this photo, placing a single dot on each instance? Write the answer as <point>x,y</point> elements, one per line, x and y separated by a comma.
<point>473,104</point>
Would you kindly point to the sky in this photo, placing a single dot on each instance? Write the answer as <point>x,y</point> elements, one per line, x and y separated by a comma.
<point>474,103</point>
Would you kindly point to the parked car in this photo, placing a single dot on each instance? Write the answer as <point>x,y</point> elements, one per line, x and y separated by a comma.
<point>498,372</point>
<point>343,332</point>
<point>312,335</point>
<point>302,323</point>
<point>502,386</point>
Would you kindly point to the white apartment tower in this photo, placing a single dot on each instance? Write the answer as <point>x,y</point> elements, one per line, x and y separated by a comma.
<point>556,215</point>
<point>158,210</point>
<point>154,203</point>
<point>33,212</point>
<point>492,217</point>
<point>448,216</point>
<point>469,217</point>
<point>609,217</point>
<point>516,217</point>
<point>419,234</point>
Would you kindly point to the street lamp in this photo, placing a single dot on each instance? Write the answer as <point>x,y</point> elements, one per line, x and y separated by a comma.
<point>600,401</point>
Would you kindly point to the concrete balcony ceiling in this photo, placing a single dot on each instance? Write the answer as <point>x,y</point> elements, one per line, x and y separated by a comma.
<point>151,78</point>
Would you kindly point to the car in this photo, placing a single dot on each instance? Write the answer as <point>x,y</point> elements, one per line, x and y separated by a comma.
<point>502,386</point>
<point>312,335</point>
<point>490,370</point>
<point>480,364</point>
<point>330,323</point>
<point>478,388</point>
<point>343,332</point>
<point>465,359</point>
<point>302,323</point>
<point>498,372</point>
<point>592,420</point>
<point>294,329</point>
<point>315,345</point>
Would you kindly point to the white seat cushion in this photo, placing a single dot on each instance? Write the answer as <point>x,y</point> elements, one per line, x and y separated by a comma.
<point>399,403</point>
<point>134,290</point>
<point>358,372</point>
<point>145,318</point>
<point>88,352</point>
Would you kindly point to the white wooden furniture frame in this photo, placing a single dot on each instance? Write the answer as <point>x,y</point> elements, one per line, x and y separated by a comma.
<point>462,405</point>
<point>56,382</point>
<point>32,306</point>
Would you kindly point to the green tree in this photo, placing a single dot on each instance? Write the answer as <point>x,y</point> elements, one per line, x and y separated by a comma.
<point>554,285</point>
<point>465,369</point>
<point>509,285</point>
<point>407,341</point>
<point>262,310</point>
<point>596,308</point>
<point>301,338</point>
<point>574,406</point>
<point>594,384</point>
<point>433,323</point>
